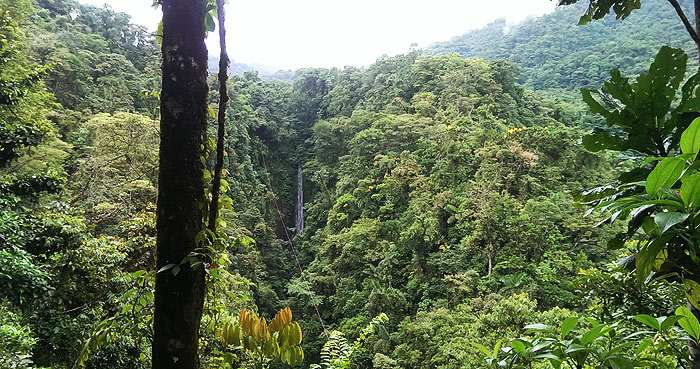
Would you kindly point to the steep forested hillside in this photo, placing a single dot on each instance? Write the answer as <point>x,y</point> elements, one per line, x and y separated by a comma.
<point>438,210</point>
<point>69,177</point>
<point>435,183</point>
<point>554,52</point>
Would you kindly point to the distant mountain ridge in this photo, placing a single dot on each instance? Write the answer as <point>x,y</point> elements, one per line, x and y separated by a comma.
<point>554,52</point>
<point>239,69</point>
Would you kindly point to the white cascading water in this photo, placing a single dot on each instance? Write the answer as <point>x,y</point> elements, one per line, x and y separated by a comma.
<point>300,203</point>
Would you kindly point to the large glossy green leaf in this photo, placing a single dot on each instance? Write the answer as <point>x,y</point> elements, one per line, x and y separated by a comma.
<point>666,173</point>
<point>541,346</point>
<point>592,334</point>
<point>497,348</point>
<point>547,355</point>
<point>575,347</point>
<point>669,219</point>
<point>568,324</point>
<point>690,139</point>
<point>602,140</point>
<point>209,24</point>
<point>556,364</point>
<point>655,90</point>
<point>641,108</point>
<point>483,349</point>
<point>598,9</point>
<point>669,322</point>
<point>592,103</point>
<point>619,362</point>
<point>619,87</point>
<point>518,346</point>
<point>650,227</point>
<point>689,323</point>
<point>648,320</point>
<point>646,257</point>
<point>692,292</point>
<point>538,327</point>
<point>689,105</point>
<point>669,67</point>
<point>690,190</point>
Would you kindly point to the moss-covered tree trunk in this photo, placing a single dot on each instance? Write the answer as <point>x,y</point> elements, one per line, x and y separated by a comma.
<point>179,297</point>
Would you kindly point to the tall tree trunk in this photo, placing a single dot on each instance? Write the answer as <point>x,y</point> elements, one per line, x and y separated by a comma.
<point>179,297</point>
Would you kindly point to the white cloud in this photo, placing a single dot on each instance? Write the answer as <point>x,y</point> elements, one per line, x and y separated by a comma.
<point>331,33</point>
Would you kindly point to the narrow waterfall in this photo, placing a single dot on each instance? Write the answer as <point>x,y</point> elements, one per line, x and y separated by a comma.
<point>300,202</point>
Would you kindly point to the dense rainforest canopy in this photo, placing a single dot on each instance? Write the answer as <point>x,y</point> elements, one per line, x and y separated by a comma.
<point>441,193</point>
<point>552,52</point>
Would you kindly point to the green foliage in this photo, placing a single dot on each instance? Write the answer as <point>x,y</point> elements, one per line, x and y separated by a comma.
<point>135,319</point>
<point>437,193</point>
<point>280,340</point>
<point>23,99</point>
<point>597,9</point>
<point>662,227</point>
<point>642,110</point>
<point>102,61</point>
<point>554,52</point>
<point>117,177</point>
<point>16,137</point>
<point>689,323</point>
<point>28,185</point>
<point>451,332</point>
<point>666,248</point>
<point>337,351</point>
<point>669,223</point>
<point>579,342</point>
<point>591,344</point>
<point>418,173</point>
<point>21,277</point>
<point>16,340</point>
<point>610,294</point>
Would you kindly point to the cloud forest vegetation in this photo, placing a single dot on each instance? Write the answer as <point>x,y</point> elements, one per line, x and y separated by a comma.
<point>464,206</point>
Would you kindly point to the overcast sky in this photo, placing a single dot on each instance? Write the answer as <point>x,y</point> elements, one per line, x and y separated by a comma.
<point>291,34</point>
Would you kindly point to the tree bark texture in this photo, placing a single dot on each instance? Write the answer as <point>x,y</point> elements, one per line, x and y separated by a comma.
<point>221,117</point>
<point>179,298</point>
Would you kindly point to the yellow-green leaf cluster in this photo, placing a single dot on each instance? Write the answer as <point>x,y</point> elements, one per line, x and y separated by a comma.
<point>280,339</point>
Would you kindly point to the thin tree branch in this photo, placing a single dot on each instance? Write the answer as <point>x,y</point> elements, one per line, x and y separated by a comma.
<point>686,22</point>
<point>674,348</point>
<point>223,99</point>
